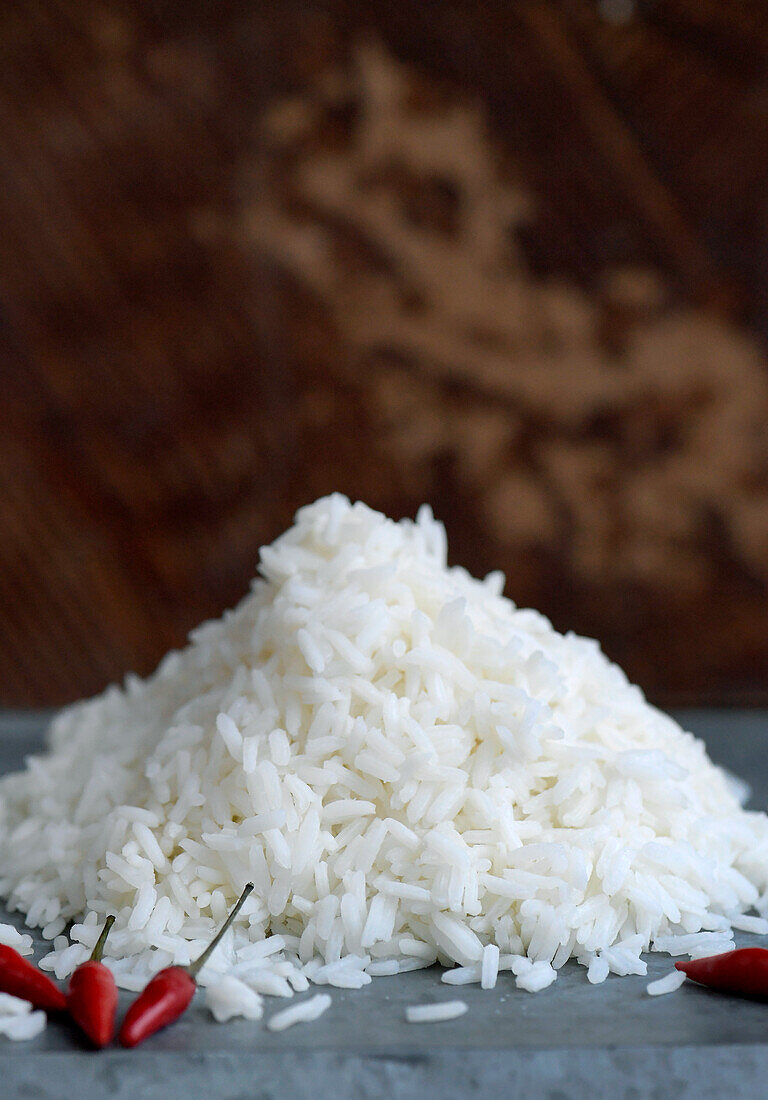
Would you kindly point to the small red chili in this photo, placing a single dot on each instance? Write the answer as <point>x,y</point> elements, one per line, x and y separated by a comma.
<point>168,994</point>
<point>744,971</point>
<point>22,979</point>
<point>92,996</point>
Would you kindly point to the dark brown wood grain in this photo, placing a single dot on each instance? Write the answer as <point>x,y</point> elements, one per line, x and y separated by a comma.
<point>172,389</point>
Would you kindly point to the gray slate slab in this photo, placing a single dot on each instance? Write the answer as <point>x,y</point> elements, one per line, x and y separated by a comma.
<point>571,1040</point>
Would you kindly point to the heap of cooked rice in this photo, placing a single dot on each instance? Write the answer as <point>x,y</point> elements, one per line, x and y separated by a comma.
<point>409,768</point>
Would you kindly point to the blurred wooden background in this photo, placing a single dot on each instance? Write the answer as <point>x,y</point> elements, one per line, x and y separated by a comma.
<point>511,258</point>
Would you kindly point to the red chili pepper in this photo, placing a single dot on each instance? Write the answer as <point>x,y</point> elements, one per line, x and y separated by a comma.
<point>168,994</point>
<point>92,996</point>
<point>22,979</point>
<point>744,971</point>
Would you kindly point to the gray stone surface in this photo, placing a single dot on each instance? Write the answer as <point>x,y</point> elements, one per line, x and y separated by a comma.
<point>571,1040</point>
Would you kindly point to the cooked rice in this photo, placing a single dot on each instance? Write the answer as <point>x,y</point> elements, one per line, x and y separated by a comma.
<point>668,984</point>
<point>17,1020</point>
<point>14,1006</point>
<point>230,997</point>
<point>304,1012</point>
<point>23,1026</point>
<point>435,1014</point>
<point>11,937</point>
<point>410,769</point>
<point>462,975</point>
<point>489,970</point>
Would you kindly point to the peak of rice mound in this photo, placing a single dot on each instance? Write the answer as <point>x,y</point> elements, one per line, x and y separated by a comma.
<point>408,767</point>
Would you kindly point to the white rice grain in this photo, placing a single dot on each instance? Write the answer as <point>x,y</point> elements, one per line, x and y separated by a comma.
<point>490,966</point>
<point>228,997</point>
<point>304,1012</point>
<point>14,1006</point>
<point>20,1028</point>
<point>668,984</point>
<point>435,1014</point>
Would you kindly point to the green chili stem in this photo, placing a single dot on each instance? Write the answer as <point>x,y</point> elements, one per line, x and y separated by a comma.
<point>98,950</point>
<point>194,968</point>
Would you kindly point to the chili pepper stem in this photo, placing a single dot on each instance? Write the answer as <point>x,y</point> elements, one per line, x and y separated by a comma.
<point>194,968</point>
<point>98,950</point>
